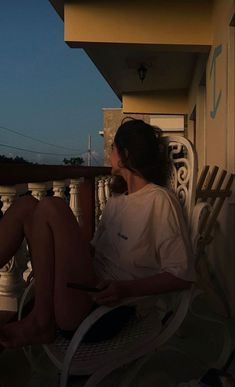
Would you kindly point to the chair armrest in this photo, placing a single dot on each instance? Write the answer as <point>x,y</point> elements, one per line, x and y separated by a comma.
<point>102,310</point>
<point>79,334</point>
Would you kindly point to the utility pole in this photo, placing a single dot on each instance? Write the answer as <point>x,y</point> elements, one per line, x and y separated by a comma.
<point>89,151</point>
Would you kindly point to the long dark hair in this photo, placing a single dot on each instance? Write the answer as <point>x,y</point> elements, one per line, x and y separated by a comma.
<point>142,151</point>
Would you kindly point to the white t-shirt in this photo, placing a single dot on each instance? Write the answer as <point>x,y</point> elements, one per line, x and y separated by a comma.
<point>142,234</point>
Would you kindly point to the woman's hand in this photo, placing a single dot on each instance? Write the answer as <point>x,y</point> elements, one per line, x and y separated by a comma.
<point>111,294</point>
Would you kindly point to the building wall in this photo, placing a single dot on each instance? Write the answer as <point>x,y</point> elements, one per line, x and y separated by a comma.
<point>220,139</point>
<point>164,102</point>
<point>211,103</point>
<point>211,106</point>
<point>110,21</point>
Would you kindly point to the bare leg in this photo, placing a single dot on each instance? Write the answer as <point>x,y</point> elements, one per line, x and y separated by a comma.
<point>59,256</point>
<point>12,226</point>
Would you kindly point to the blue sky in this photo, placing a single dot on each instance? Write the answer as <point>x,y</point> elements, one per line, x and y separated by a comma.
<point>47,90</point>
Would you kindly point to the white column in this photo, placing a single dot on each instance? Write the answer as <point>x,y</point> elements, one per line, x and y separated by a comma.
<point>74,199</point>
<point>59,187</point>
<point>107,188</point>
<point>101,195</point>
<point>39,190</point>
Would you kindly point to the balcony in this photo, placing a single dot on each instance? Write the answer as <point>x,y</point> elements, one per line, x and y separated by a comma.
<point>86,190</point>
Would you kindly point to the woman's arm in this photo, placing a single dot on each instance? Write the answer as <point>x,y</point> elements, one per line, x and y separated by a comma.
<point>115,291</point>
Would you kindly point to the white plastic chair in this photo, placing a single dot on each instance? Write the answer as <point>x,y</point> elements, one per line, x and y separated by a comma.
<point>142,335</point>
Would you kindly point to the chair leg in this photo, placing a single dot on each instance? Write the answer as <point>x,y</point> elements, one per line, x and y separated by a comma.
<point>98,376</point>
<point>134,369</point>
<point>64,378</point>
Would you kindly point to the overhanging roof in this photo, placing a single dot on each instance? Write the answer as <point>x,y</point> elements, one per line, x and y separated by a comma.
<point>170,61</point>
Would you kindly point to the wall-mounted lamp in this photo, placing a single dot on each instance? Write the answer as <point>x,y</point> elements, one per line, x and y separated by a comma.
<point>142,71</point>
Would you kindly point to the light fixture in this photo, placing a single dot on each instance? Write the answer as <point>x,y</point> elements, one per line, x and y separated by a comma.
<point>142,71</point>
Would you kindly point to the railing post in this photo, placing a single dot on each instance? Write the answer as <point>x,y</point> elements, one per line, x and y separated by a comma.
<point>59,187</point>
<point>11,275</point>
<point>75,199</point>
<point>39,190</point>
<point>102,195</point>
<point>107,188</point>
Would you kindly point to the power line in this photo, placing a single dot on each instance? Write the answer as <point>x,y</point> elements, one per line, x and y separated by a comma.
<point>36,139</point>
<point>38,152</point>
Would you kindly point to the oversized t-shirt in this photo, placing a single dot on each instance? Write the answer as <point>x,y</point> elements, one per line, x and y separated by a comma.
<point>142,234</point>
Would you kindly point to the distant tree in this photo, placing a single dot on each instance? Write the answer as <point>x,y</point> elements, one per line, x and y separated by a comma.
<point>11,160</point>
<point>74,161</point>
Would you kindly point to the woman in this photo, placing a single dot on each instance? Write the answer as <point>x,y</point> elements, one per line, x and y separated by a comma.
<point>141,245</point>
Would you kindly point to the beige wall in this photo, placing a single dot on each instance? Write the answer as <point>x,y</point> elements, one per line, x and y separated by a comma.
<point>164,102</point>
<point>109,21</point>
<point>220,136</point>
<point>214,112</point>
<point>220,82</point>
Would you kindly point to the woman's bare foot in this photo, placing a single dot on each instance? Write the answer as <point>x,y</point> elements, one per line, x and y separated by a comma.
<point>25,332</point>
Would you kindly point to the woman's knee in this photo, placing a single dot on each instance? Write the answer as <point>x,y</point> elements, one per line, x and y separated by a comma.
<point>28,201</point>
<point>24,206</point>
<point>51,202</point>
<point>52,206</point>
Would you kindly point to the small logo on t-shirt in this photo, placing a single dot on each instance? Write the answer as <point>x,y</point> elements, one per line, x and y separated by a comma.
<point>122,236</point>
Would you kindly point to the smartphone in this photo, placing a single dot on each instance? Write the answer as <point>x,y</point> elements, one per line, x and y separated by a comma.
<point>76,285</point>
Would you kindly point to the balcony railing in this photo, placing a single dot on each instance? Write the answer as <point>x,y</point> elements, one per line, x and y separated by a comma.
<point>86,190</point>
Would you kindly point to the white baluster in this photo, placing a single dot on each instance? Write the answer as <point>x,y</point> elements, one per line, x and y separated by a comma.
<point>74,199</point>
<point>11,275</point>
<point>101,194</point>
<point>59,188</point>
<point>39,190</point>
<point>107,188</point>
<point>7,200</point>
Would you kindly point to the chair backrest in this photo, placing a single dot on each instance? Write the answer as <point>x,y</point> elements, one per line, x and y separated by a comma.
<point>183,173</point>
<point>182,179</point>
<point>214,186</point>
<point>201,200</point>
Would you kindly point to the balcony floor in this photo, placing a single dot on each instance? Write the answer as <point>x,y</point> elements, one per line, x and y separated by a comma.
<point>186,357</point>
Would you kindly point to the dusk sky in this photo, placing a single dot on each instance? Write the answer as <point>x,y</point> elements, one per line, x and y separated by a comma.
<point>48,91</point>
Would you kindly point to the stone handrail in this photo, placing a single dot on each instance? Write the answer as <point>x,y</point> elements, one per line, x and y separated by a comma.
<point>84,188</point>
